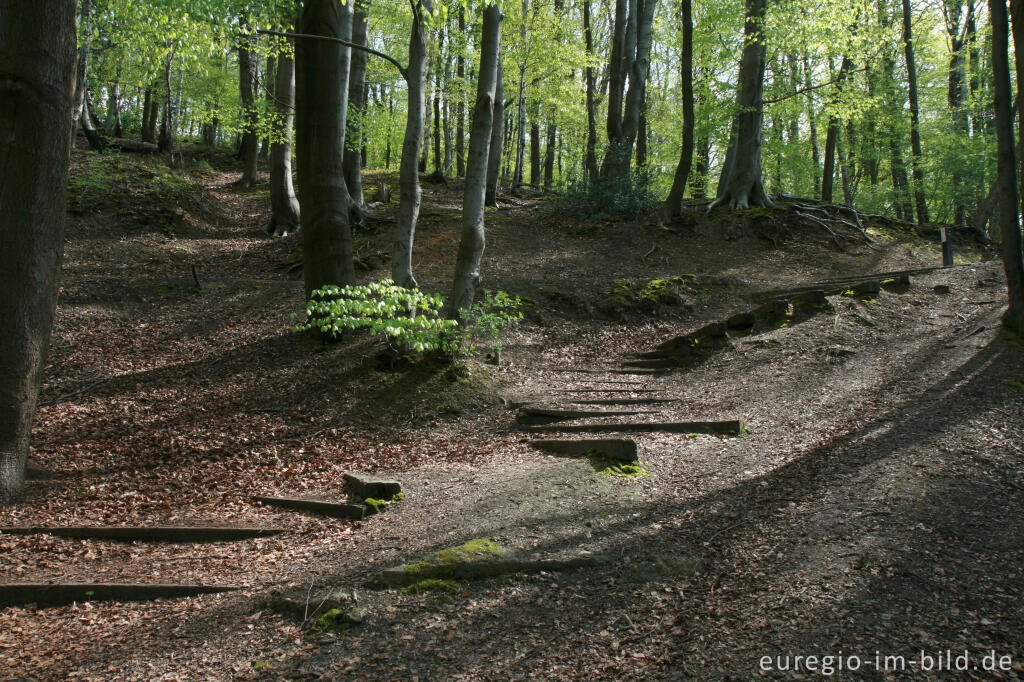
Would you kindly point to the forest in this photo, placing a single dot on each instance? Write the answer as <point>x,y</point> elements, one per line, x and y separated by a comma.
<point>604,339</point>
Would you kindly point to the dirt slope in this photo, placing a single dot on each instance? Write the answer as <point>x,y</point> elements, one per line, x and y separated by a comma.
<point>873,507</point>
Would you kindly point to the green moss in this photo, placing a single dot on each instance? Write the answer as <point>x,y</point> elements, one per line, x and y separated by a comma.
<point>474,549</point>
<point>429,585</point>
<point>260,665</point>
<point>603,464</point>
<point>336,620</point>
<point>1016,384</point>
<point>417,568</point>
<point>375,504</point>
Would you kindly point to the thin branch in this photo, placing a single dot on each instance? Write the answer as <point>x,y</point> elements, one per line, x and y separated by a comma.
<point>401,69</point>
<point>801,91</point>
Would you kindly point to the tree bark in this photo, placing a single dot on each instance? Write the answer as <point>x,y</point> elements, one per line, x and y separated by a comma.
<point>535,177</point>
<point>460,107</point>
<point>284,205</point>
<point>590,160</point>
<point>321,98</point>
<point>250,116</point>
<point>743,186</point>
<point>112,126</point>
<point>549,156</point>
<point>497,138</point>
<point>409,193</point>
<point>815,153</point>
<point>149,116</point>
<point>37,81</point>
<point>630,60</point>
<point>357,105</point>
<point>471,245</point>
<point>915,116</point>
<point>167,139</point>
<point>1013,254</point>
<point>674,203</point>
<point>832,136</point>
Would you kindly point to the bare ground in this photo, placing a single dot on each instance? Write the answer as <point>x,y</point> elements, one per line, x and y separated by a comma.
<point>873,509</point>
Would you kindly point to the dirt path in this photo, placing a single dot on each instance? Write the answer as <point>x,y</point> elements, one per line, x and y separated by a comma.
<point>873,507</point>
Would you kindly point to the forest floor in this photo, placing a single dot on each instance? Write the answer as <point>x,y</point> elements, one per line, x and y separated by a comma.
<point>873,510</point>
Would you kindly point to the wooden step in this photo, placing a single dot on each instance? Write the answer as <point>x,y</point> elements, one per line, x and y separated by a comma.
<point>621,449</point>
<point>624,401</point>
<point>338,510</point>
<point>544,415</point>
<point>604,371</point>
<point>611,390</point>
<point>653,363</point>
<point>60,594</point>
<point>147,534</point>
<point>725,428</point>
<point>366,485</point>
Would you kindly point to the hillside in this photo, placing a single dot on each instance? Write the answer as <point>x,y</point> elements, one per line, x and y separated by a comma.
<point>873,506</point>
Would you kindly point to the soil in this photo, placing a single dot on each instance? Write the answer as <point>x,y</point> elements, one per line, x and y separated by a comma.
<point>873,509</point>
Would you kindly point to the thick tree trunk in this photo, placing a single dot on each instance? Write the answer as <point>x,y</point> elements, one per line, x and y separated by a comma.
<point>832,137</point>
<point>112,125</point>
<point>743,186</point>
<point>284,205</point>
<point>674,203</point>
<point>535,177</point>
<point>915,116</point>
<point>150,114</point>
<point>210,129</point>
<point>321,98</point>
<point>269,84</point>
<point>357,105</point>
<point>497,138</point>
<point>590,160</point>
<point>1013,255</point>
<point>471,245</point>
<point>37,80</point>
<point>250,116</point>
<point>409,192</point>
<point>438,159</point>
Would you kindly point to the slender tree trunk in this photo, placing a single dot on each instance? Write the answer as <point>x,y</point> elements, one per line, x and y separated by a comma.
<point>269,81</point>
<point>321,99</point>
<point>956,97</point>
<point>112,126</point>
<point>409,193</point>
<point>535,177</point>
<point>37,80</point>
<point>471,245</point>
<point>815,154</point>
<point>438,159</point>
<point>590,161</point>
<point>460,107</point>
<point>832,137</point>
<point>168,123</point>
<point>497,137</point>
<point>250,116</point>
<point>1013,260</point>
<point>149,116</point>
<point>844,170</point>
<point>915,116</point>
<point>283,202</point>
<point>674,203</point>
<point>356,105</point>
<point>549,156</point>
<point>743,187</point>
<point>642,132</point>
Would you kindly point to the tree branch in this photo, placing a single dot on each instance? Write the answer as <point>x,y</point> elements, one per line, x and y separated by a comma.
<point>370,50</point>
<point>801,91</point>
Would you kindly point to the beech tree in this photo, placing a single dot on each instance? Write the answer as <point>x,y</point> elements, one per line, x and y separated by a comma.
<point>321,97</point>
<point>37,74</point>
<point>284,204</point>
<point>471,245</point>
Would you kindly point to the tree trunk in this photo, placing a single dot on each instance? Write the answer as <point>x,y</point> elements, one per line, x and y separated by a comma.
<point>357,105</point>
<point>630,59</point>
<point>590,161</point>
<point>674,203</point>
<point>167,137</point>
<point>284,205</point>
<point>517,175</point>
<point>37,79</point>
<point>438,159</point>
<point>956,97</point>
<point>112,126</point>
<point>250,116</point>
<point>549,156</point>
<point>321,98</point>
<point>915,115</point>
<point>269,85</point>
<point>743,186</point>
<point>535,177</point>
<point>815,154</point>
<point>210,129</point>
<point>497,138</point>
<point>832,137</point>
<point>409,192</point>
<point>149,116</point>
<point>460,107</point>
<point>1013,257</point>
<point>471,245</point>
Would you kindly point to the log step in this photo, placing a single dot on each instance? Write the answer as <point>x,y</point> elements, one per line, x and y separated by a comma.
<point>60,594</point>
<point>621,449</point>
<point>725,428</point>
<point>624,401</point>
<point>609,390</point>
<point>603,371</point>
<point>652,363</point>
<point>147,534</point>
<point>338,510</point>
<point>544,415</point>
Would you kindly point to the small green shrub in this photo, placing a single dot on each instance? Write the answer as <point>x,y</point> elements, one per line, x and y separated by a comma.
<point>410,319</point>
<point>606,199</point>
